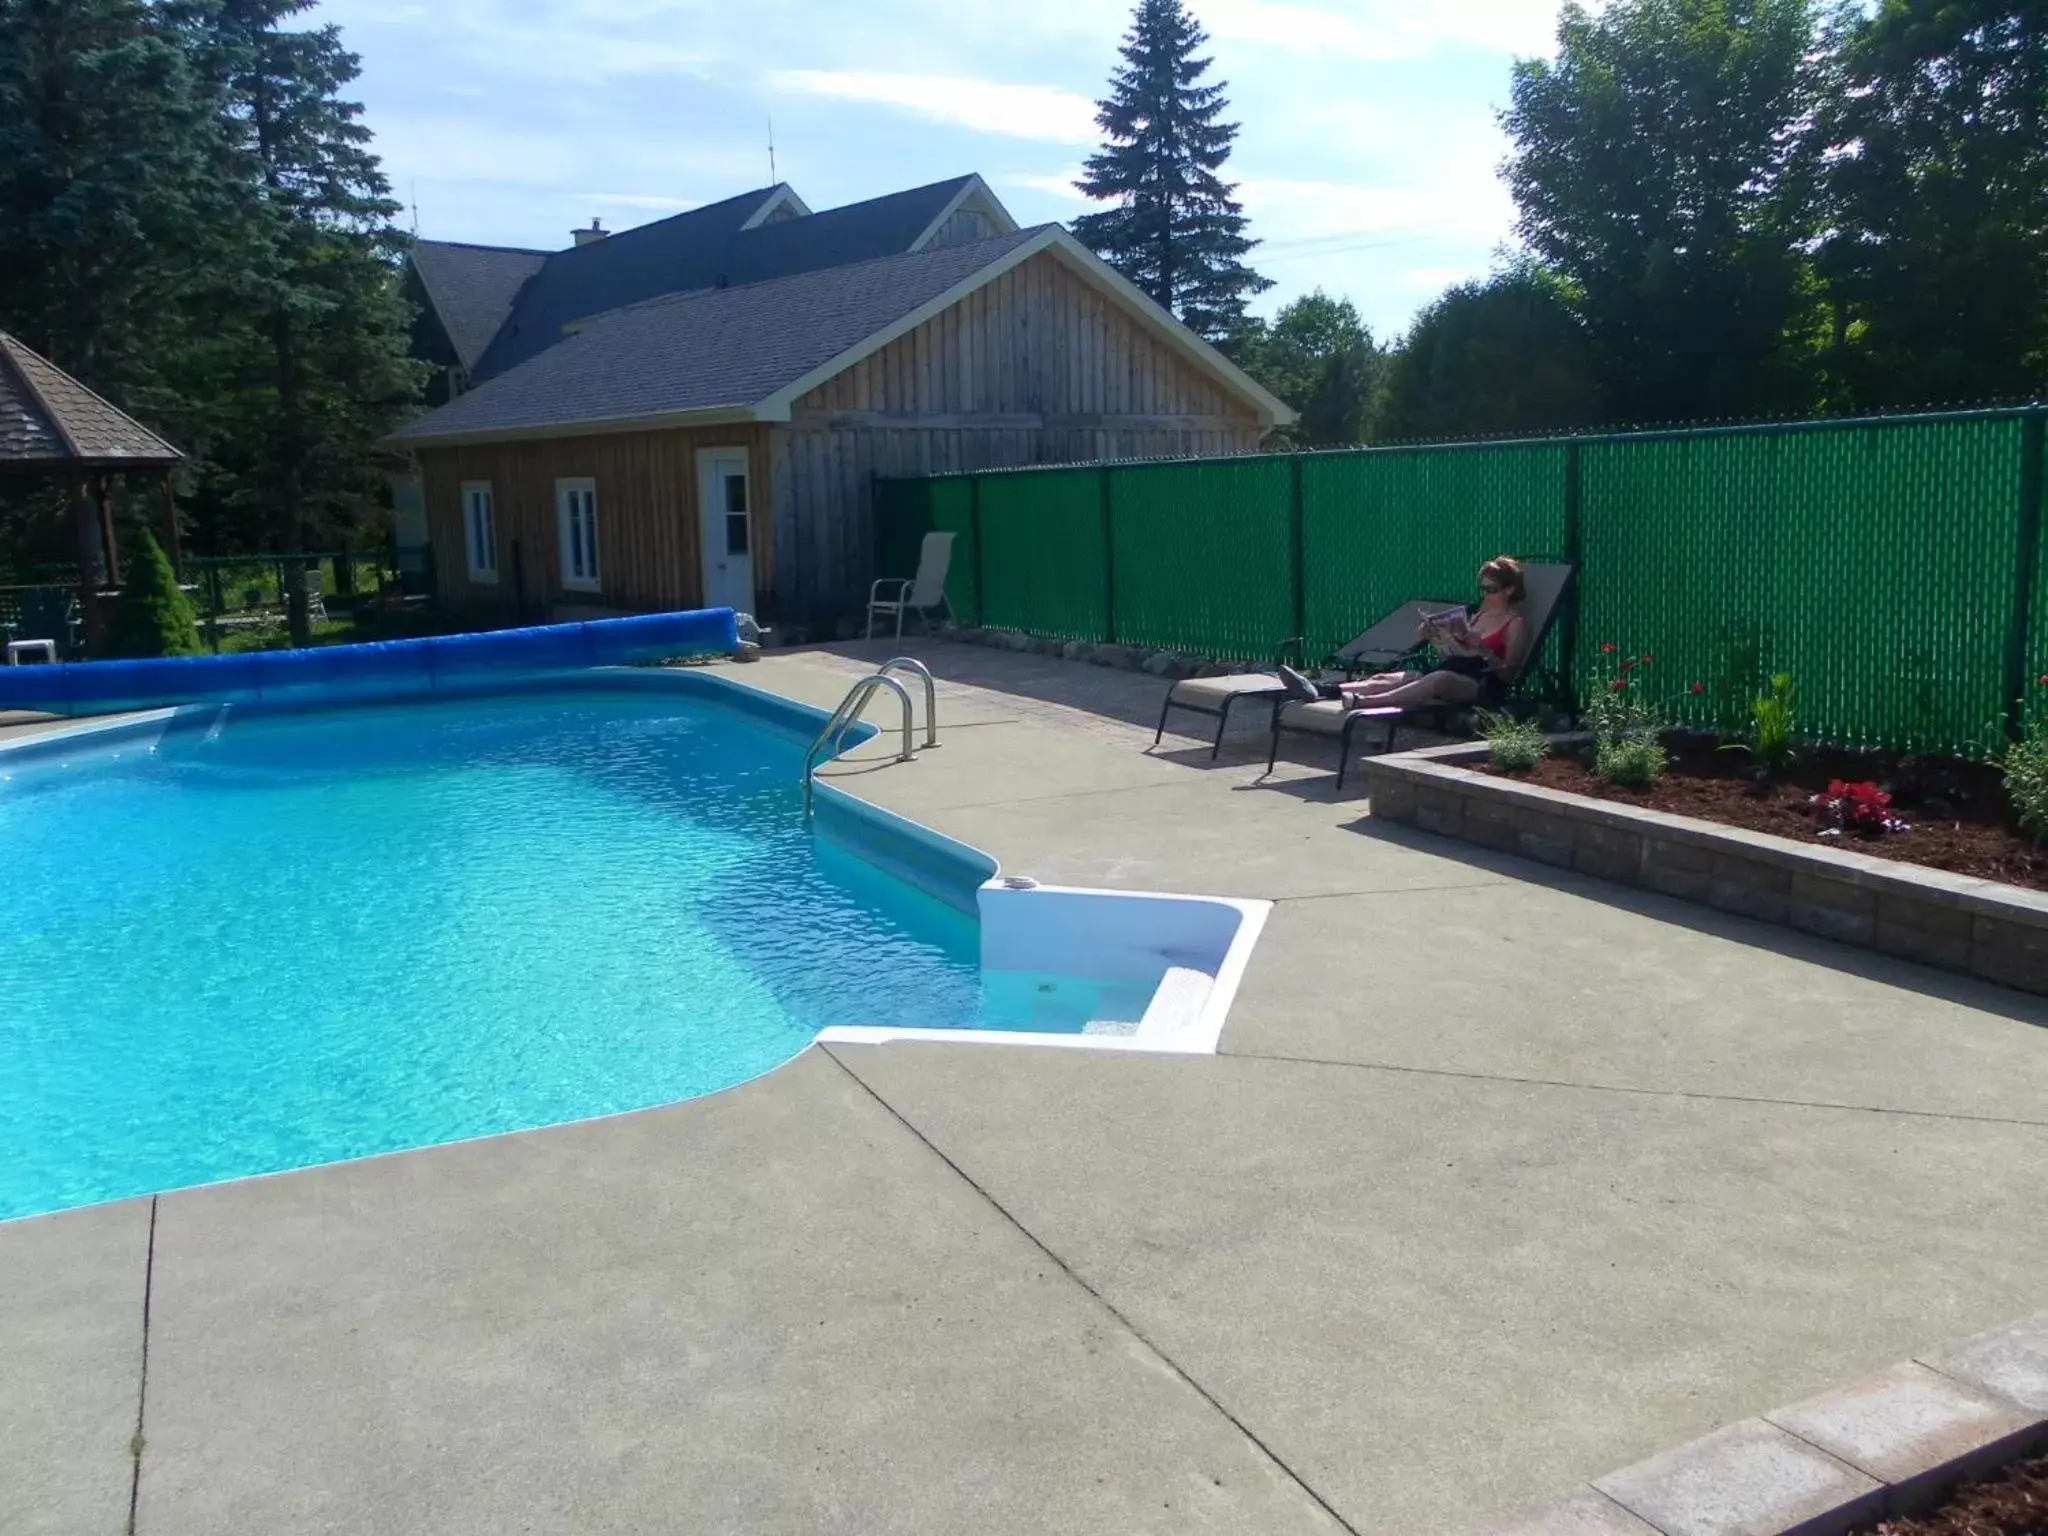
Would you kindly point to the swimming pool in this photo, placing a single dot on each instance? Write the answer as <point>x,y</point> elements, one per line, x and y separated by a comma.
<point>244,941</point>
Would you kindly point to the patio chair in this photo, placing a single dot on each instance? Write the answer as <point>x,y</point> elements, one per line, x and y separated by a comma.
<point>1546,586</point>
<point>1389,642</point>
<point>50,613</point>
<point>918,594</point>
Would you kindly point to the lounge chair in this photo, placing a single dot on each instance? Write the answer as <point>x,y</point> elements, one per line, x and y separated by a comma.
<point>918,594</point>
<point>1545,585</point>
<point>1388,643</point>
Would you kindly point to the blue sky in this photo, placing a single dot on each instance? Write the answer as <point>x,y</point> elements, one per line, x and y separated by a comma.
<point>1367,158</point>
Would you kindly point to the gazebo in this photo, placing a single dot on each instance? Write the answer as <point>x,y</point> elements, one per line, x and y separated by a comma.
<point>52,425</point>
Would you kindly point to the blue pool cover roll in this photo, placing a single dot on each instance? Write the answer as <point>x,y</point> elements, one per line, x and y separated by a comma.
<point>380,669</point>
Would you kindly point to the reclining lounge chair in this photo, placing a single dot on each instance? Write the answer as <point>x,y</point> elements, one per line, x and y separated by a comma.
<point>1546,588</point>
<point>1387,644</point>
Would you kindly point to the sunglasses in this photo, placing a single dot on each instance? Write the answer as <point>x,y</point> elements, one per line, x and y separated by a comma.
<point>1490,586</point>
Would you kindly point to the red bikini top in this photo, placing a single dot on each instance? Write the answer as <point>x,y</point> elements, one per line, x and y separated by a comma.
<point>1497,642</point>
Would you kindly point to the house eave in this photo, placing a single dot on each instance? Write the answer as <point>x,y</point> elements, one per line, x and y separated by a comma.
<point>604,426</point>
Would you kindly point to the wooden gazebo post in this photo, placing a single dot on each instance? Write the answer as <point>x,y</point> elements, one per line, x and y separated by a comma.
<point>50,424</point>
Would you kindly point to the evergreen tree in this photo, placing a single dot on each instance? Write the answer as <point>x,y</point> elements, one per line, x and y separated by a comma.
<point>153,616</point>
<point>1938,257</point>
<point>330,322</point>
<point>1175,231</point>
<point>1503,356</point>
<point>1660,169</point>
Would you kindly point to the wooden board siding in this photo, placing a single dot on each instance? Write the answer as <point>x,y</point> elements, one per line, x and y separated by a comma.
<point>646,517</point>
<point>1037,367</point>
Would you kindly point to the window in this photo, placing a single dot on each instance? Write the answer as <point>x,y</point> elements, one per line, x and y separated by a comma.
<point>576,517</point>
<point>736,513</point>
<point>480,530</point>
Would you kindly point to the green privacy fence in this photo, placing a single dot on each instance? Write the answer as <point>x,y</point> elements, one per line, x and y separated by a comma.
<point>1893,566</point>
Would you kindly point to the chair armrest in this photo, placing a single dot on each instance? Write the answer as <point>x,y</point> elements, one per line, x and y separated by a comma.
<point>902,584</point>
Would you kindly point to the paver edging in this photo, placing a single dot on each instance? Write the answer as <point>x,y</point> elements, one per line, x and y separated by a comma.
<point>1890,1445</point>
<point>1956,922</point>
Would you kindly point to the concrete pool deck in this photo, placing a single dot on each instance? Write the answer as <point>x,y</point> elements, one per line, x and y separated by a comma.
<point>1500,1180</point>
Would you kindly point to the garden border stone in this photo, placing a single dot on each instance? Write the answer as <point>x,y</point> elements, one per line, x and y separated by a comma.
<point>1955,922</point>
<point>1890,1445</point>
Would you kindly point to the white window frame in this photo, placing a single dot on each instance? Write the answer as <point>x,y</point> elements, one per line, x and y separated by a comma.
<point>480,535</point>
<point>582,567</point>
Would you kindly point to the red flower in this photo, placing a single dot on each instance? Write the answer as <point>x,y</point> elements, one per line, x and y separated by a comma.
<point>1618,684</point>
<point>1699,687</point>
<point>2044,679</point>
<point>1644,658</point>
<point>1610,647</point>
<point>1628,666</point>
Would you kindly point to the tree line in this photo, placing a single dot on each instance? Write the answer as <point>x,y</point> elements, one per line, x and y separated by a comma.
<point>1726,209</point>
<point>193,223</point>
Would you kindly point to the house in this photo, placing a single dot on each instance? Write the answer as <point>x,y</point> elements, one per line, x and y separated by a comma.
<point>693,413</point>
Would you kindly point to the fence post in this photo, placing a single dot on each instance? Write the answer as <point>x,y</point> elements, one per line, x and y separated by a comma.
<point>1297,577</point>
<point>213,607</point>
<point>2032,426</point>
<point>1108,563</point>
<point>1574,554</point>
<point>974,530</point>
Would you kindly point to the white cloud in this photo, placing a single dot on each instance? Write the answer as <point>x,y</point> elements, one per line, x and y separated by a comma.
<point>1384,29</point>
<point>988,106</point>
<point>646,200</point>
<point>1054,184</point>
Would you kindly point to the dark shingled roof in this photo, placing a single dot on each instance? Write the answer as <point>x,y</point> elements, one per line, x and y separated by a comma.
<point>48,420</point>
<point>720,348</point>
<point>705,248</point>
<point>472,288</point>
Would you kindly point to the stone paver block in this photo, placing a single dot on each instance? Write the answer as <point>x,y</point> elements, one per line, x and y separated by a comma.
<point>2014,953</point>
<point>1911,1424</point>
<point>1585,1513</point>
<point>1749,1479</point>
<point>2011,1361</point>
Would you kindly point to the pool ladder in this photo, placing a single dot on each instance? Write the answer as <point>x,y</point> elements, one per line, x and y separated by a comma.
<point>856,700</point>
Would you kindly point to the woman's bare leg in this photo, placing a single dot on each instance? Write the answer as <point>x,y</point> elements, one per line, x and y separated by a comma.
<point>1378,683</point>
<point>1424,688</point>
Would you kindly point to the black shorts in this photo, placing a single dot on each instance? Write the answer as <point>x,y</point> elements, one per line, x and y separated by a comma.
<point>1492,691</point>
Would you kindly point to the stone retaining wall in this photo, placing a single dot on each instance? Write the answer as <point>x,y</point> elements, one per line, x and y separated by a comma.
<point>1979,927</point>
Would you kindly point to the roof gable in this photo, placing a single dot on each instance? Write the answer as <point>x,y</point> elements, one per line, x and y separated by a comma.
<point>716,350</point>
<point>728,244</point>
<point>471,289</point>
<point>49,420</point>
<point>748,353</point>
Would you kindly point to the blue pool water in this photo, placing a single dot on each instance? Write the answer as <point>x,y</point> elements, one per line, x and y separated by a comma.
<point>307,937</point>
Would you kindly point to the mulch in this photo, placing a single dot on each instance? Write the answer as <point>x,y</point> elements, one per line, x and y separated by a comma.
<point>1957,811</point>
<point>2012,1502</point>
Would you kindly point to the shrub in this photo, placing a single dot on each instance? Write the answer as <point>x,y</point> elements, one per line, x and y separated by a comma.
<point>1633,763</point>
<point>2025,767</point>
<point>152,617</point>
<point>1628,727</point>
<point>1514,746</point>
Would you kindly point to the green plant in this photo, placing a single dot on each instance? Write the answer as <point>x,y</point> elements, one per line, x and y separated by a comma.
<point>1513,746</point>
<point>152,617</point>
<point>1634,763</point>
<point>1770,725</point>
<point>2024,766</point>
<point>1627,725</point>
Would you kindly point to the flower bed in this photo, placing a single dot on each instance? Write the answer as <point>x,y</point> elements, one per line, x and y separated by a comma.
<point>1960,922</point>
<point>1955,813</point>
<point>2013,1502</point>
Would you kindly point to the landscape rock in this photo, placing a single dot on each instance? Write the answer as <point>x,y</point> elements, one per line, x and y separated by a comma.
<point>1073,650</point>
<point>1113,656</point>
<point>1159,663</point>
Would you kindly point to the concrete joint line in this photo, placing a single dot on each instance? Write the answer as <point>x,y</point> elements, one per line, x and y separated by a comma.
<point>142,1375</point>
<point>1648,1093</point>
<point>1100,1300</point>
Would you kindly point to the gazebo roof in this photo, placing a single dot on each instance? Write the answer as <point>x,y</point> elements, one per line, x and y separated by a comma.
<point>49,421</point>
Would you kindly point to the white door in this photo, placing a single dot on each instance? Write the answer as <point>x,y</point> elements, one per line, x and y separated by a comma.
<point>725,533</point>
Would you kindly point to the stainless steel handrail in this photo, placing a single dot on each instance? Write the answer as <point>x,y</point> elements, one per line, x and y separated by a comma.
<point>848,711</point>
<point>931,693</point>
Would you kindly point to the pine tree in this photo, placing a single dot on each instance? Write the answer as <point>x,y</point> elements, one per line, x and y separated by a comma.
<point>1176,231</point>
<point>153,617</point>
<point>330,320</point>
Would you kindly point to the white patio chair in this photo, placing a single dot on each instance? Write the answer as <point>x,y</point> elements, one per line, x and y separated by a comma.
<point>918,594</point>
